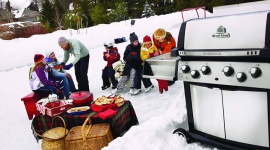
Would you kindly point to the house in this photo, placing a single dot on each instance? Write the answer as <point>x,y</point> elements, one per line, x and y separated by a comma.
<point>6,16</point>
<point>28,15</point>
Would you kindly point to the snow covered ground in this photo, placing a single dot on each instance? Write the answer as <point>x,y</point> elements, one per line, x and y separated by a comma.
<point>158,114</point>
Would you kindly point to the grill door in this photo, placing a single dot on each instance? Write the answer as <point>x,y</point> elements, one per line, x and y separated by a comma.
<point>207,110</point>
<point>246,117</point>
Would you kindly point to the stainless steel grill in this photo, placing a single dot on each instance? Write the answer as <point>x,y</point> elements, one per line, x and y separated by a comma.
<point>225,65</point>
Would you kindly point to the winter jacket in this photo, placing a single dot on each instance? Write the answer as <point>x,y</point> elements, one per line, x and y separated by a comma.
<point>51,63</point>
<point>114,56</point>
<point>132,58</point>
<point>77,49</point>
<point>39,78</point>
<point>145,52</point>
<point>167,45</point>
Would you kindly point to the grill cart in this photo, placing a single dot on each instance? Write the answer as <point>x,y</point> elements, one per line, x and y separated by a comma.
<point>224,63</point>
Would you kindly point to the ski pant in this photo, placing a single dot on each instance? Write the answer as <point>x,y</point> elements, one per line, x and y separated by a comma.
<point>138,78</point>
<point>81,71</point>
<point>122,82</point>
<point>108,72</point>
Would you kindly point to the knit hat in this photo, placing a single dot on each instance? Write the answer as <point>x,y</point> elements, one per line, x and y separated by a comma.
<point>48,53</point>
<point>133,37</point>
<point>147,40</point>
<point>38,58</point>
<point>160,34</point>
<point>62,40</point>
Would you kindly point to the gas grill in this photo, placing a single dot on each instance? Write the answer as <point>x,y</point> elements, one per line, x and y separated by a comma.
<point>224,63</point>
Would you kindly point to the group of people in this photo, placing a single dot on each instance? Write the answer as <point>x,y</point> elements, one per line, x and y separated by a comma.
<point>48,74</point>
<point>134,56</point>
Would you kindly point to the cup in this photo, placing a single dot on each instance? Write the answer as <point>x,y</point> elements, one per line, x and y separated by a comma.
<point>53,98</point>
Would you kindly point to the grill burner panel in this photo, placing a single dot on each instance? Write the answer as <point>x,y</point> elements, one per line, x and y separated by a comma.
<point>227,73</point>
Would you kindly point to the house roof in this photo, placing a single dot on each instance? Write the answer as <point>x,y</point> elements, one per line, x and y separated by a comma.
<point>27,13</point>
<point>4,14</point>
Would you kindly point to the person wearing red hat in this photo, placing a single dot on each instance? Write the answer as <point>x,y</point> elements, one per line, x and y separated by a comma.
<point>39,78</point>
<point>147,50</point>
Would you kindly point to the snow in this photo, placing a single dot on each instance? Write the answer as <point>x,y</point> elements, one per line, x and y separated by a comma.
<point>158,114</point>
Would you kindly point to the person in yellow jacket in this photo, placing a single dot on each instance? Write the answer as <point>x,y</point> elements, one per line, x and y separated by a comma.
<point>148,50</point>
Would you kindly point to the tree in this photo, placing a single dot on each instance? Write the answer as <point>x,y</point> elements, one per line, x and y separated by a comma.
<point>33,6</point>
<point>59,14</point>
<point>147,12</point>
<point>99,15</point>
<point>48,13</point>
<point>84,7</point>
<point>120,12</point>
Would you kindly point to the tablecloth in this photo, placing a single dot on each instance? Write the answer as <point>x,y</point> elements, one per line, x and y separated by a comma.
<point>123,120</point>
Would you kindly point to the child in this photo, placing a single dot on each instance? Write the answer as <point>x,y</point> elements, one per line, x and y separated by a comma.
<point>132,65</point>
<point>148,50</point>
<point>111,55</point>
<point>53,62</point>
<point>164,42</point>
<point>39,78</point>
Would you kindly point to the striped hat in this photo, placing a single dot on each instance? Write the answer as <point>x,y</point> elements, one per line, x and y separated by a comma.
<point>160,34</point>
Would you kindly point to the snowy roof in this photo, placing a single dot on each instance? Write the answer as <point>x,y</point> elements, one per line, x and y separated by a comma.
<point>26,13</point>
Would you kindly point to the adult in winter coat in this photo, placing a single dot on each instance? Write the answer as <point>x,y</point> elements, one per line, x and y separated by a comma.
<point>40,81</point>
<point>81,60</point>
<point>164,42</point>
<point>147,50</point>
<point>111,55</point>
<point>132,66</point>
<point>53,62</point>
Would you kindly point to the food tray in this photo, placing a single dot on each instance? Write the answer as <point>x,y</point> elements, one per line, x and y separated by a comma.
<point>78,110</point>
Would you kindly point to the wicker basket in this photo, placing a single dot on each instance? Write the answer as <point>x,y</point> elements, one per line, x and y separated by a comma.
<point>54,139</point>
<point>89,137</point>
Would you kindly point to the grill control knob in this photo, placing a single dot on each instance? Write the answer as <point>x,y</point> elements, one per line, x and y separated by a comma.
<point>255,72</point>
<point>206,70</point>
<point>228,71</point>
<point>241,77</point>
<point>195,74</point>
<point>185,68</point>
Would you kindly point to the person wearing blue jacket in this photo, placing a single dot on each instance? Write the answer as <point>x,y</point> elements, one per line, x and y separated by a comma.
<point>53,62</point>
<point>80,61</point>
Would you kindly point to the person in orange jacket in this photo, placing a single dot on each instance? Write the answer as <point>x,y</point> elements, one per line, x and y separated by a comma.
<point>164,42</point>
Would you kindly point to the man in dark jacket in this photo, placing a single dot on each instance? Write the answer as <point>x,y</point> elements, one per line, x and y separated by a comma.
<point>132,65</point>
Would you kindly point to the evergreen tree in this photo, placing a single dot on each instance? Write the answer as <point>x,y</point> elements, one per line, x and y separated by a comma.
<point>59,14</point>
<point>83,7</point>
<point>119,12</point>
<point>33,6</point>
<point>147,12</point>
<point>48,13</point>
<point>99,15</point>
<point>135,8</point>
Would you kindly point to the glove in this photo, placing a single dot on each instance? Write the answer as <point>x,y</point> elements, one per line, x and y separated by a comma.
<point>67,67</point>
<point>156,54</point>
<point>133,53</point>
<point>162,84</point>
<point>151,55</point>
<point>62,64</point>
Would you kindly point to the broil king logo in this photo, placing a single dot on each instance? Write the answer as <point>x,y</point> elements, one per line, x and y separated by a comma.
<point>221,33</point>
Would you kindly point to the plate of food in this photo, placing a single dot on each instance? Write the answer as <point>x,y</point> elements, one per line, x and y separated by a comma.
<point>78,110</point>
